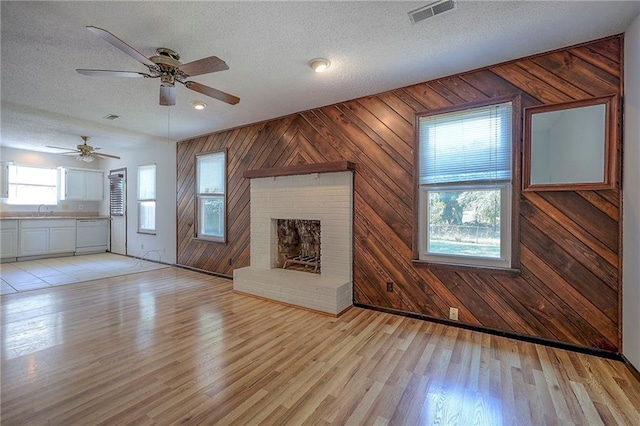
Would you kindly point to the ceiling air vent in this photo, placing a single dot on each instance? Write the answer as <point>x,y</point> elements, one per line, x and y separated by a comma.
<point>430,10</point>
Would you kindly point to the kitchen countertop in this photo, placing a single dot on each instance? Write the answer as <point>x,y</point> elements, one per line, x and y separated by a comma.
<point>52,217</point>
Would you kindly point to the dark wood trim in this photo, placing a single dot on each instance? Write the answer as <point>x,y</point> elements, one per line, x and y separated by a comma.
<point>508,334</point>
<point>611,144</point>
<point>301,169</point>
<point>516,178</point>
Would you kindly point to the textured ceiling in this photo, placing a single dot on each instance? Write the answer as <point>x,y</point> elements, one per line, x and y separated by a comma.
<point>373,47</point>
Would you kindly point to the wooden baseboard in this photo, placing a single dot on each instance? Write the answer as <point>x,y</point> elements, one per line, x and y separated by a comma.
<point>294,306</point>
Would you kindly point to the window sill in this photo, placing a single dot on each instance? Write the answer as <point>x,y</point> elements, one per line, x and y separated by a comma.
<point>147,232</point>
<point>466,268</point>
<point>208,240</point>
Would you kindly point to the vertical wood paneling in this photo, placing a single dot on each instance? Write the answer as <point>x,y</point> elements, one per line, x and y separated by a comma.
<point>569,281</point>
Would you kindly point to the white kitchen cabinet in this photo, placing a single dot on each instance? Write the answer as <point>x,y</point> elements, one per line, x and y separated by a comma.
<point>92,235</point>
<point>81,184</point>
<point>34,241</point>
<point>8,239</point>
<point>39,237</point>
<point>4,181</point>
<point>94,180</point>
<point>62,239</point>
<point>73,186</point>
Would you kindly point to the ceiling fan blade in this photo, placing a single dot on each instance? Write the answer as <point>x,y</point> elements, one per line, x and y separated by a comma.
<point>203,66</point>
<point>102,154</point>
<point>214,93</point>
<point>109,73</point>
<point>167,95</point>
<point>60,147</point>
<point>107,36</point>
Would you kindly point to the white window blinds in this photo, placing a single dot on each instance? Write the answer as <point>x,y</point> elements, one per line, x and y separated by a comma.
<point>116,194</point>
<point>466,146</point>
<point>211,173</point>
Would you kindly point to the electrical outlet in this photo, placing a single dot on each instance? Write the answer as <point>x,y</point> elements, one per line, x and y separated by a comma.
<point>453,314</point>
<point>141,246</point>
<point>389,285</point>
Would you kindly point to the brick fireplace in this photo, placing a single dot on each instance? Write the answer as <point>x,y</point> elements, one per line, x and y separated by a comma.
<point>325,195</point>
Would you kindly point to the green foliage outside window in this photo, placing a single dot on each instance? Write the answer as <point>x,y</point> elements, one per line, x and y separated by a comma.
<point>465,222</point>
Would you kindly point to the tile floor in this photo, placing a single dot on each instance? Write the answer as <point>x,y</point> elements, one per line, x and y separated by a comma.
<point>35,274</point>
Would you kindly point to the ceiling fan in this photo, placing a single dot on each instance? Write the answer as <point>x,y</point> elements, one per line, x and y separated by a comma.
<point>85,152</point>
<point>166,66</point>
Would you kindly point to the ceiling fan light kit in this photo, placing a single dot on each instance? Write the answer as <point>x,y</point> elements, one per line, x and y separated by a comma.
<point>198,105</point>
<point>166,66</point>
<point>85,158</point>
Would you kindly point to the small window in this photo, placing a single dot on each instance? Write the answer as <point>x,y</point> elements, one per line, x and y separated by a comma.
<point>465,185</point>
<point>147,199</point>
<point>32,185</point>
<point>211,196</point>
<point>116,194</point>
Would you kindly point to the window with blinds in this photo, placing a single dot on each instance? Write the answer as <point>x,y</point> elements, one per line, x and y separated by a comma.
<point>464,174</point>
<point>211,183</point>
<point>116,194</point>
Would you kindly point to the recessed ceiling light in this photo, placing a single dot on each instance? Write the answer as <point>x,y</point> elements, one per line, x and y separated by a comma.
<point>199,105</point>
<point>319,64</point>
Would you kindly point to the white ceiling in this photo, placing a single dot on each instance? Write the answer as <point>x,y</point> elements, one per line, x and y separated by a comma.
<point>373,47</point>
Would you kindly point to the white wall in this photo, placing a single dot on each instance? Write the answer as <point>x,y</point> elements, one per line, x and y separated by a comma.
<point>161,246</point>
<point>631,198</point>
<point>45,160</point>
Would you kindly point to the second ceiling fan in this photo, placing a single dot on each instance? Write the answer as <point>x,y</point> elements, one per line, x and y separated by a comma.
<point>167,67</point>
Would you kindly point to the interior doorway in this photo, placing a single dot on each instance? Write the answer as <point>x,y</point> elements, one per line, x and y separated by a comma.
<point>118,210</point>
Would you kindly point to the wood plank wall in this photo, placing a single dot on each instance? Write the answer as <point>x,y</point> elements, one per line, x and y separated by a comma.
<point>569,285</point>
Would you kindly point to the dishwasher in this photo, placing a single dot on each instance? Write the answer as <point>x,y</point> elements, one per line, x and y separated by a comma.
<point>92,235</point>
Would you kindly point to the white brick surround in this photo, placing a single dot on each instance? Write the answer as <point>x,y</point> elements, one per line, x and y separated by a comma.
<point>327,197</point>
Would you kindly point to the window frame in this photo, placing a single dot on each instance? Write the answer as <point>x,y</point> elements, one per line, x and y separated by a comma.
<point>200,197</point>
<point>510,241</point>
<point>19,201</point>
<point>146,200</point>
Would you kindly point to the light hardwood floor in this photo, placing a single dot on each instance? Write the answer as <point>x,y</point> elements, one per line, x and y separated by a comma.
<point>175,346</point>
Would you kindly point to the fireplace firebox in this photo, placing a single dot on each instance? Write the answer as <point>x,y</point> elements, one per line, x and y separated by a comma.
<point>299,245</point>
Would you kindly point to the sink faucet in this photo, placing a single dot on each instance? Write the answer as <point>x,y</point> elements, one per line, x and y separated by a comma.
<point>41,206</point>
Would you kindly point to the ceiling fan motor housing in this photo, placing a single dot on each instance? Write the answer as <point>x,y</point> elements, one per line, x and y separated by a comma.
<point>166,60</point>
